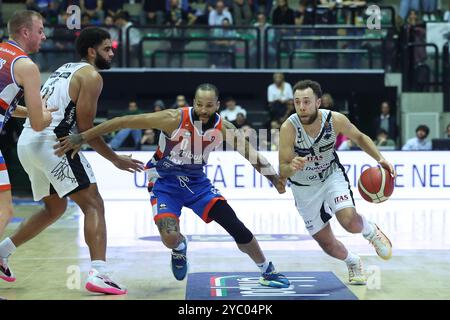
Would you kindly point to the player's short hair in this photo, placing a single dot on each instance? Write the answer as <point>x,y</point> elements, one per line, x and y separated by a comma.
<point>207,87</point>
<point>20,19</point>
<point>305,84</point>
<point>90,37</point>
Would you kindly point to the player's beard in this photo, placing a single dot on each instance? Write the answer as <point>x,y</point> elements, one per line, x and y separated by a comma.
<point>101,63</point>
<point>311,118</point>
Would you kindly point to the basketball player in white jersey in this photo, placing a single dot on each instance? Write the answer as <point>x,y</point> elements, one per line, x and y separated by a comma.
<point>19,77</point>
<point>74,88</point>
<point>318,180</point>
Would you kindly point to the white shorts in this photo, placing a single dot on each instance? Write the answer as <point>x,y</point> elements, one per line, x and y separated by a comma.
<point>4,178</point>
<point>317,203</point>
<point>49,173</point>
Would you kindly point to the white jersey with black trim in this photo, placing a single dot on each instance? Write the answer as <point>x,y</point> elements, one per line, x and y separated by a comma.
<point>321,157</point>
<point>56,89</point>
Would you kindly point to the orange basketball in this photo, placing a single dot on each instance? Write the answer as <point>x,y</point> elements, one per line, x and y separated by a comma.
<point>376,184</point>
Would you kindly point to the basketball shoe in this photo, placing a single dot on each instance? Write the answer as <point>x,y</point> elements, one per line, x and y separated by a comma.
<point>271,278</point>
<point>381,243</point>
<point>5,272</point>
<point>179,262</point>
<point>356,273</point>
<point>102,283</point>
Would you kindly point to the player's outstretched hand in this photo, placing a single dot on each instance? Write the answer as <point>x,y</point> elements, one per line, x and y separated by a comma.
<point>67,143</point>
<point>388,166</point>
<point>279,183</point>
<point>127,163</point>
<point>298,163</point>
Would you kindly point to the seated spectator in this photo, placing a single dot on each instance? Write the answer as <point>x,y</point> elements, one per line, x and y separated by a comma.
<point>93,8</point>
<point>348,145</point>
<point>218,14</point>
<point>386,121</point>
<point>447,132</point>
<point>383,140</point>
<point>180,102</point>
<point>240,121</point>
<point>231,110</point>
<point>149,138</point>
<point>123,134</point>
<point>419,142</point>
<point>158,106</point>
<point>279,96</point>
<point>154,11</point>
<point>327,102</point>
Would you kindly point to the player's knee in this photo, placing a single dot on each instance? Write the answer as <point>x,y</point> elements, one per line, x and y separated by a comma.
<point>225,216</point>
<point>57,208</point>
<point>352,225</point>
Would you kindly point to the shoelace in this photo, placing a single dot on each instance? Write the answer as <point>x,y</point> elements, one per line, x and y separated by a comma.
<point>178,256</point>
<point>355,269</point>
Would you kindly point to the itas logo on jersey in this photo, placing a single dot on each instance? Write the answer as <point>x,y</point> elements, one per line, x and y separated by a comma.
<point>314,158</point>
<point>340,199</point>
<point>2,63</point>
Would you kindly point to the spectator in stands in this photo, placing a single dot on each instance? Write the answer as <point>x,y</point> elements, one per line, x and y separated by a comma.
<point>242,13</point>
<point>262,24</point>
<point>386,121</point>
<point>262,6</point>
<point>109,23</point>
<point>382,141</point>
<point>223,60</point>
<point>217,15</point>
<point>232,110</point>
<point>32,5</point>
<point>158,105</point>
<point>279,96</point>
<point>155,11</point>
<point>93,8</point>
<point>122,21</point>
<point>304,14</point>
<point>241,120</point>
<point>274,135</point>
<point>416,33</point>
<point>447,132</point>
<point>177,16</point>
<point>123,134</point>
<point>148,138</point>
<point>283,14</point>
<point>113,7</point>
<point>419,142</point>
<point>180,102</point>
<point>446,17</point>
<point>327,102</point>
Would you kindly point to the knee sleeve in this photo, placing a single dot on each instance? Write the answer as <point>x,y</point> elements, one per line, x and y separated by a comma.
<point>225,216</point>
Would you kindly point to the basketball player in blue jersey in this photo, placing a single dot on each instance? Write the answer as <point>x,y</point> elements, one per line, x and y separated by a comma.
<point>74,89</point>
<point>320,186</point>
<point>177,179</point>
<point>19,77</point>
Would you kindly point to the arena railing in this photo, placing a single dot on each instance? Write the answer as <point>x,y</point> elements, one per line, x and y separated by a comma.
<point>446,75</point>
<point>273,35</point>
<point>338,52</point>
<point>231,54</point>
<point>248,36</point>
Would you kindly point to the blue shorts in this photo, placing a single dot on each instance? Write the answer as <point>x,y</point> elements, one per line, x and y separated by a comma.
<point>169,195</point>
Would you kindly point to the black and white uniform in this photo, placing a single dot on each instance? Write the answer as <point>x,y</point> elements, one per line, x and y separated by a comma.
<point>322,187</point>
<point>47,172</point>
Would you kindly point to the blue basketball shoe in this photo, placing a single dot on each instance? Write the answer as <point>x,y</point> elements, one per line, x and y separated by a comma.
<point>271,278</point>
<point>179,262</point>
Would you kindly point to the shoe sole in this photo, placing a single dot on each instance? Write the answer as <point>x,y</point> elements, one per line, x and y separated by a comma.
<point>357,283</point>
<point>93,288</point>
<point>8,279</point>
<point>387,257</point>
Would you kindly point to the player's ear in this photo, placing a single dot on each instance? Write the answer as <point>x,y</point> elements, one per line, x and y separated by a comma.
<point>91,52</point>
<point>318,102</point>
<point>218,105</point>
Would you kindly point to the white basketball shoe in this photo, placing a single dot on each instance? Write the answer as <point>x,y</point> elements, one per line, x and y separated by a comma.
<point>102,283</point>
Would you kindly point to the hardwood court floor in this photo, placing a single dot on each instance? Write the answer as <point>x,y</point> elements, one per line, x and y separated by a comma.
<point>46,267</point>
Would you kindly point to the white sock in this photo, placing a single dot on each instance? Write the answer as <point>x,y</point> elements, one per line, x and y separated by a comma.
<point>351,258</point>
<point>263,266</point>
<point>99,265</point>
<point>180,247</point>
<point>367,227</point>
<point>7,248</point>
